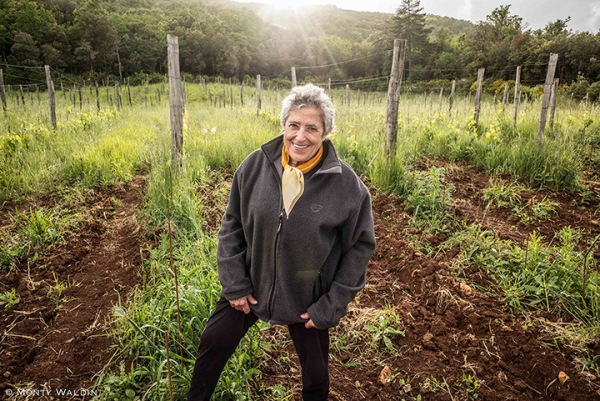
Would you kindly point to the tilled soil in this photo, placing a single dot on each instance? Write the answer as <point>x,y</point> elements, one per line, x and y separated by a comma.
<point>55,349</point>
<point>460,340</point>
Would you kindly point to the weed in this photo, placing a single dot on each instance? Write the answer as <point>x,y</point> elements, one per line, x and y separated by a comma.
<point>472,385</point>
<point>427,194</point>
<point>33,231</point>
<point>538,275</point>
<point>386,327</point>
<point>544,209</point>
<point>9,299</point>
<point>278,393</point>
<point>503,195</point>
<point>39,228</point>
<point>55,291</point>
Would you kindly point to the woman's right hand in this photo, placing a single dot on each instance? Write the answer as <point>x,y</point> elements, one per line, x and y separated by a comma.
<point>242,303</point>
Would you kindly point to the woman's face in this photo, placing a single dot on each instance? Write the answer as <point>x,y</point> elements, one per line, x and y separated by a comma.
<point>303,134</point>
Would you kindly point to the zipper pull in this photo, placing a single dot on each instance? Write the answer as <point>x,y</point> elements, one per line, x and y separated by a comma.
<point>280,222</point>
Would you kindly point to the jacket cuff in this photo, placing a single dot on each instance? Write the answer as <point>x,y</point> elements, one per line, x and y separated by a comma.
<point>320,320</point>
<point>236,294</point>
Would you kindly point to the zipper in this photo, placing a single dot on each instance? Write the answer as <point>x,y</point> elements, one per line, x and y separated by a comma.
<point>276,246</point>
<point>321,286</point>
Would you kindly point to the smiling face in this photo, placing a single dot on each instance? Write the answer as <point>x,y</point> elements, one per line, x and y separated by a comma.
<point>303,134</point>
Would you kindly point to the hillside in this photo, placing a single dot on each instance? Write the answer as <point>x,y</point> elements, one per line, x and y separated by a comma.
<point>348,24</point>
<point>122,40</point>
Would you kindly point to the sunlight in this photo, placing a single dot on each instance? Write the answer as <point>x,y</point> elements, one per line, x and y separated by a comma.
<point>293,5</point>
<point>289,4</point>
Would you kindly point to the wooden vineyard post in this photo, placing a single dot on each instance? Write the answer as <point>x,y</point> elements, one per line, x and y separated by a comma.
<point>258,98</point>
<point>546,97</point>
<point>553,96</point>
<point>348,95</point>
<point>441,97</point>
<point>22,95</point>
<point>242,94</point>
<point>117,96</point>
<point>391,124</point>
<point>129,94</point>
<point>451,99</point>
<point>517,99</point>
<point>175,100</point>
<point>51,96</point>
<point>431,100</point>
<point>2,93</point>
<point>97,97</point>
<point>294,82</point>
<point>480,74</point>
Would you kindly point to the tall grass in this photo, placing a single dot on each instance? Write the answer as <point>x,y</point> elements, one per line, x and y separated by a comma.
<point>153,312</point>
<point>89,150</point>
<point>545,276</point>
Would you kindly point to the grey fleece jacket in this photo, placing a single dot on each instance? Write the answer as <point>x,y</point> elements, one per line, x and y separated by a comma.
<point>313,260</point>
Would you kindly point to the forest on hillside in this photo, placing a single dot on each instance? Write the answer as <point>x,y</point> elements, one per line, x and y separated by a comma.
<point>100,40</point>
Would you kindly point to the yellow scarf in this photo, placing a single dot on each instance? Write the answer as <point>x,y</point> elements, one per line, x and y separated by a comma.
<point>292,179</point>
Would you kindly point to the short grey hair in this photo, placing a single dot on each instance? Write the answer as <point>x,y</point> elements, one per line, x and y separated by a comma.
<point>309,95</point>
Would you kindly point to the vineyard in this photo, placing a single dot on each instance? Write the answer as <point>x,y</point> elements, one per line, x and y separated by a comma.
<point>485,283</point>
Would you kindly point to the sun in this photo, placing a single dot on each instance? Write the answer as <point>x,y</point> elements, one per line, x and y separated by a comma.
<point>293,5</point>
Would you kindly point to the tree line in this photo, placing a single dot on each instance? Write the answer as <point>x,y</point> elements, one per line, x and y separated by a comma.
<point>121,40</point>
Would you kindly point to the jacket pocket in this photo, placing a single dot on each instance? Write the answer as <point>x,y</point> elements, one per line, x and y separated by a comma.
<point>318,286</point>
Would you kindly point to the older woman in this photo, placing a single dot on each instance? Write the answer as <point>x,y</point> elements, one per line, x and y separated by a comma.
<point>293,248</point>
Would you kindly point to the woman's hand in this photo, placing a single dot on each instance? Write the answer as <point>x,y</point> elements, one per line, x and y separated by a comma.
<point>310,324</point>
<point>242,303</point>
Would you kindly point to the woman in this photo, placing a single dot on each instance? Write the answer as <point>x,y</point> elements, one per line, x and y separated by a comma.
<point>293,248</point>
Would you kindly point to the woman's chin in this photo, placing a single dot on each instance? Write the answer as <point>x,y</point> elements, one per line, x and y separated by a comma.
<point>300,156</point>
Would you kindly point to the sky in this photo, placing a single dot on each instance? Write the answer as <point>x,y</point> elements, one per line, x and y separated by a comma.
<point>585,14</point>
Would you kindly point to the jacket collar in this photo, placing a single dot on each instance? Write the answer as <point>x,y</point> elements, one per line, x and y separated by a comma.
<point>331,164</point>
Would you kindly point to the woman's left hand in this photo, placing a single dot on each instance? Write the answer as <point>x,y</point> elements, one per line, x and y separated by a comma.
<point>310,324</point>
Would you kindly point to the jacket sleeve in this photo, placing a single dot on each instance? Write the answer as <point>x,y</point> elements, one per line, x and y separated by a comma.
<point>358,245</point>
<point>232,248</point>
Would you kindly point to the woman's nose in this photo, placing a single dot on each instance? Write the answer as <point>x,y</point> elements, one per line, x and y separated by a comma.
<point>301,133</point>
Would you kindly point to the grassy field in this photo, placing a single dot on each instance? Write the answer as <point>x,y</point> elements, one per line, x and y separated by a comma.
<point>95,150</point>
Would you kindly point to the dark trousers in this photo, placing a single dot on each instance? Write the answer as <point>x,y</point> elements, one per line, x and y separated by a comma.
<point>224,331</point>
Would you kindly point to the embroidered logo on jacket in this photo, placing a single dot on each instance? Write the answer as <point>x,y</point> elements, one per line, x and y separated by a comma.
<point>315,207</point>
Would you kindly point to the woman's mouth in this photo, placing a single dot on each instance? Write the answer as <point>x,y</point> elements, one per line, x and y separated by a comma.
<point>299,147</point>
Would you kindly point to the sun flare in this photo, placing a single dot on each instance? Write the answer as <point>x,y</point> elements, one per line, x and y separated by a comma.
<point>292,5</point>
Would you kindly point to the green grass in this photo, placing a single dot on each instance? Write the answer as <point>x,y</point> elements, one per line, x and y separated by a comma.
<point>144,322</point>
<point>31,232</point>
<point>548,276</point>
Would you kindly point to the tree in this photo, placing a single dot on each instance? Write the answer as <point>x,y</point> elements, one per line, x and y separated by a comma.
<point>504,25</point>
<point>86,54</point>
<point>409,23</point>
<point>32,18</point>
<point>497,43</point>
<point>557,28</point>
<point>24,50</point>
<point>96,38</point>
